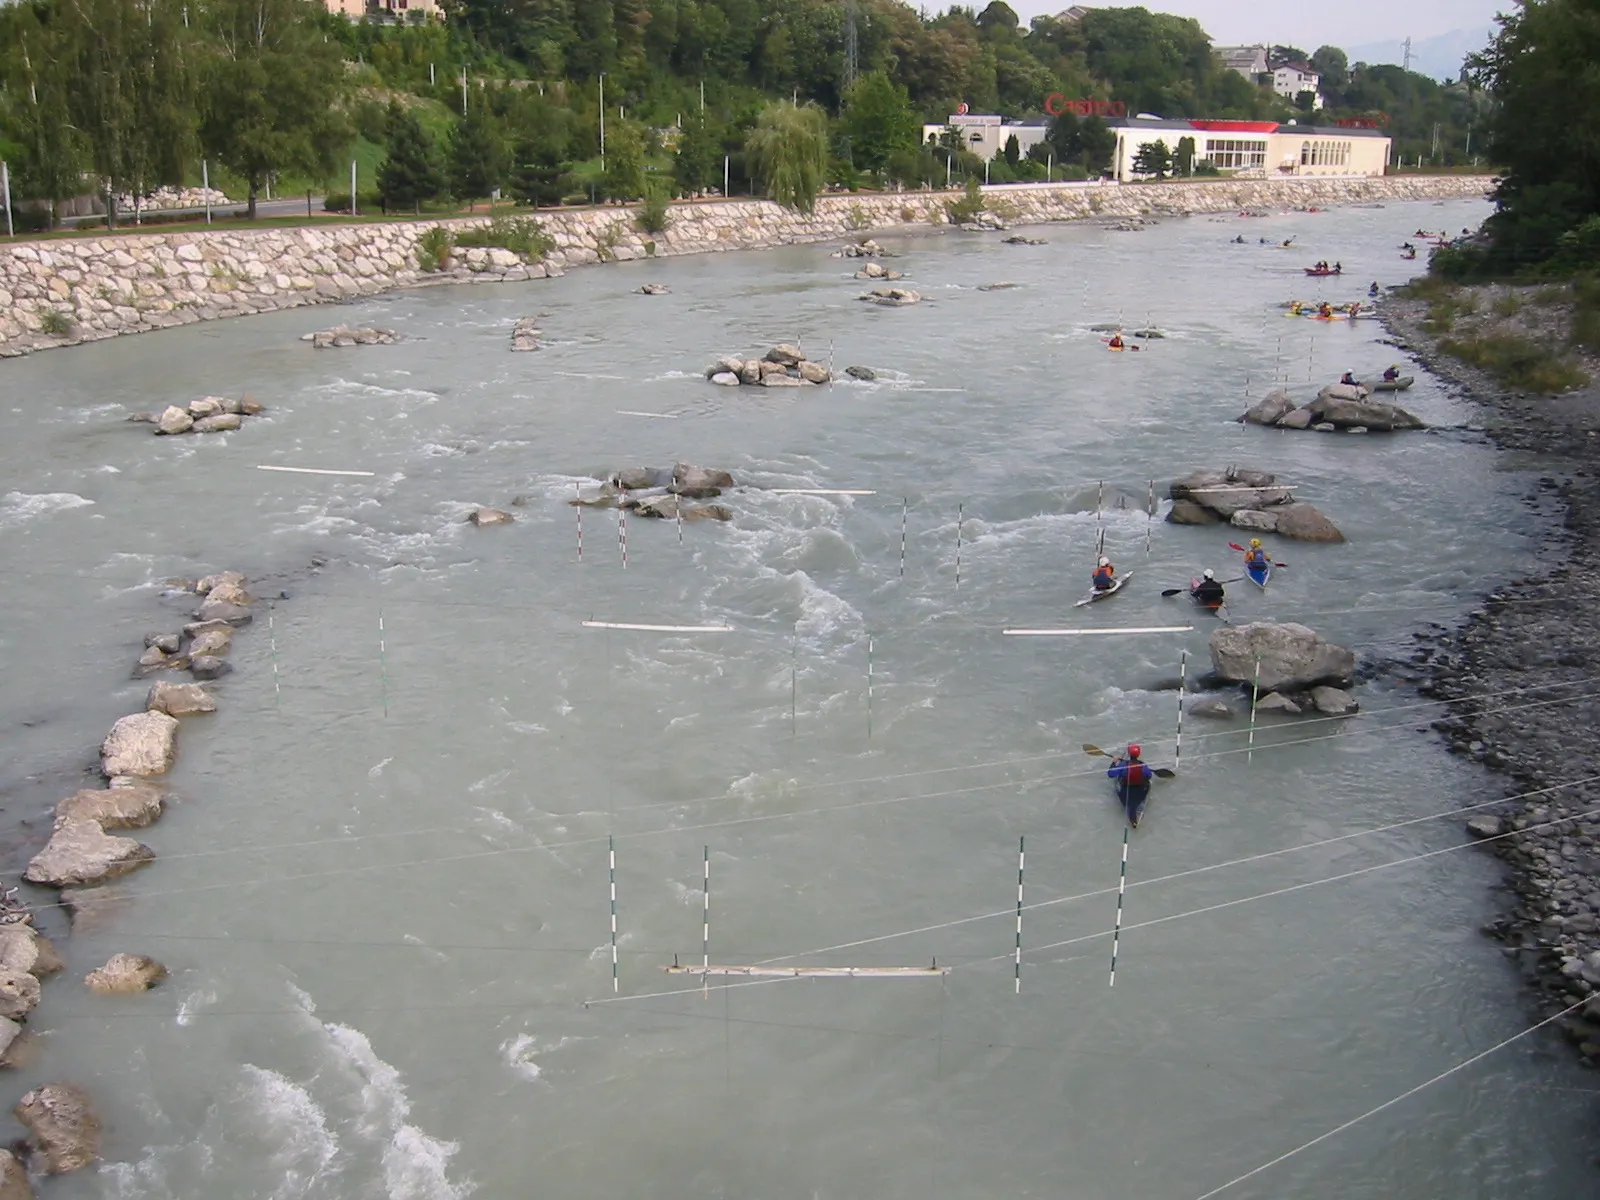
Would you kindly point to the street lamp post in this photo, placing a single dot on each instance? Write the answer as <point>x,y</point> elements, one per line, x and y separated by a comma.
<point>602,120</point>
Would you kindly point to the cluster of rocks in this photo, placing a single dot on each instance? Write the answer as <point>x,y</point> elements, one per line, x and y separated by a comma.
<point>201,647</point>
<point>653,289</point>
<point>171,197</point>
<point>1016,239</point>
<point>1246,499</point>
<point>525,334</point>
<point>866,248</point>
<point>344,335</point>
<point>1287,668</point>
<point>874,270</point>
<point>663,493</point>
<point>983,221</point>
<point>781,366</point>
<point>209,414</point>
<point>1116,327</point>
<point>1337,407</point>
<point>1003,285</point>
<point>892,297</point>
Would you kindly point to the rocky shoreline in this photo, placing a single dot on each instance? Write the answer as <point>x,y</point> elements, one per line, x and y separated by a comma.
<point>1522,663</point>
<point>62,292</point>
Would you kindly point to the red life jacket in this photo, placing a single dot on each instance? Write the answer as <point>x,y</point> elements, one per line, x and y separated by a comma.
<point>1137,774</point>
<point>1103,576</point>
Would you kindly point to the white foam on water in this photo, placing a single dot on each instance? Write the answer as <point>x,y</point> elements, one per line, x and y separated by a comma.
<point>303,1147</point>
<point>375,771</point>
<point>18,508</point>
<point>415,1165</point>
<point>490,780</point>
<point>191,1005</point>
<point>518,1054</point>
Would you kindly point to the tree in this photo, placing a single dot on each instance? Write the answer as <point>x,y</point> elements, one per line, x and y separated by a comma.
<point>46,153</point>
<point>878,122</point>
<point>1012,152</point>
<point>697,165</point>
<point>477,154</point>
<point>1153,158</point>
<point>1183,159</point>
<point>1099,144</point>
<point>1332,64</point>
<point>273,91</point>
<point>998,17</point>
<point>1540,69</point>
<point>788,150</point>
<point>1065,137</point>
<point>412,173</point>
<point>535,175</point>
<point>130,86</point>
<point>624,176</point>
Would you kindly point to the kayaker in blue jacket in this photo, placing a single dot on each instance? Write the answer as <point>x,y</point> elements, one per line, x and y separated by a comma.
<point>1256,558</point>
<point>1105,575</point>
<point>1132,779</point>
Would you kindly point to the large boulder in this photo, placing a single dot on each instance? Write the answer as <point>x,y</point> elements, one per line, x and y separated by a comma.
<point>143,743</point>
<point>1300,418</point>
<point>209,666</point>
<point>174,420</point>
<point>220,423</point>
<point>126,973</point>
<point>1256,521</point>
<point>1292,657</point>
<point>221,610</point>
<point>19,948</point>
<point>62,1127</point>
<point>179,699</point>
<point>112,808</point>
<point>1187,512</point>
<point>1226,492</point>
<point>633,478</point>
<point>213,642</point>
<point>1333,702</point>
<point>14,1183</point>
<point>1275,703</point>
<point>726,365</point>
<point>690,480</point>
<point>210,583</point>
<point>82,852</point>
<point>814,372</point>
<point>19,994</point>
<point>1269,409</point>
<point>489,516</point>
<point>785,355</point>
<point>1305,524</point>
<point>892,297</point>
<point>1344,413</point>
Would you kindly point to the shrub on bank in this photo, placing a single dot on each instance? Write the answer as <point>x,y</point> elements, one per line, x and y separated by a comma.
<point>434,247</point>
<point>1517,362</point>
<point>523,236</point>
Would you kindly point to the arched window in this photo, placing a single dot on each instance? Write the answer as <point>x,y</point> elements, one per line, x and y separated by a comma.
<point>1305,154</point>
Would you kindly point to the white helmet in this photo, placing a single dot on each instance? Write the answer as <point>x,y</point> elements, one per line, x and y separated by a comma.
<point>1105,562</point>
<point>1208,573</point>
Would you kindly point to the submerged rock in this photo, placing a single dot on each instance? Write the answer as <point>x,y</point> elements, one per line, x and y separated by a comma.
<point>489,516</point>
<point>179,699</point>
<point>892,297</point>
<point>112,808</point>
<point>654,289</point>
<point>1274,702</point>
<point>126,973</point>
<point>63,1128</point>
<point>865,374</point>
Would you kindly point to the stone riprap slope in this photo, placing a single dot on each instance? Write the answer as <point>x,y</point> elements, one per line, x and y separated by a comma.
<point>63,291</point>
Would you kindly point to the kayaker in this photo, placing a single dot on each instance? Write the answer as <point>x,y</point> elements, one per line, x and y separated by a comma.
<point>1132,780</point>
<point>1116,341</point>
<point>1296,308</point>
<point>1374,290</point>
<point>1325,310</point>
<point>1105,575</point>
<point>1354,308</point>
<point>1255,556</point>
<point>1239,241</point>
<point>1208,591</point>
<point>1350,380</point>
<point>1392,373</point>
<point>1338,268</point>
<point>1286,242</point>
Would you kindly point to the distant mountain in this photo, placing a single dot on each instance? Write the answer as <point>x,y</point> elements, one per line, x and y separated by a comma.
<point>1437,57</point>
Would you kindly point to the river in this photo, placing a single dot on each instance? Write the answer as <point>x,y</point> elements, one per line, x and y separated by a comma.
<point>383,891</point>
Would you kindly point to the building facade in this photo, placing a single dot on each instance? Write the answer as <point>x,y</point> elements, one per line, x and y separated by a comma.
<point>1249,61</point>
<point>386,10</point>
<point>1260,148</point>
<point>1291,79</point>
<point>986,135</point>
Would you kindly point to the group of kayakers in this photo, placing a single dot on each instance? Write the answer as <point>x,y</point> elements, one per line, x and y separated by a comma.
<point>1390,374</point>
<point>1326,269</point>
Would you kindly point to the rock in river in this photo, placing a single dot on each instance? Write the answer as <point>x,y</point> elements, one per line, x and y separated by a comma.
<point>174,420</point>
<point>14,1183</point>
<point>179,699</point>
<point>62,1127</point>
<point>1274,703</point>
<point>489,516</point>
<point>1292,656</point>
<point>82,852</point>
<point>140,744</point>
<point>1304,523</point>
<point>112,808</point>
<point>19,994</point>
<point>124,973</point>
<point>1270,409</point>
<point>1333,702</point>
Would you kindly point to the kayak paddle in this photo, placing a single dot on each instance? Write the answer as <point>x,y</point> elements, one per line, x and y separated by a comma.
<point>1245,550</point>
<point>1170,592</point>
<point>1158,772</point>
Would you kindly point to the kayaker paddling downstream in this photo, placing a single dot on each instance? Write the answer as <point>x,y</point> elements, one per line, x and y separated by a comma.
<point>1104,582</point>
<point>1131,776</point>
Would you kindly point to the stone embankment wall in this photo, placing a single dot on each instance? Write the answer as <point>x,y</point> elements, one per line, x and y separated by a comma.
<point>60,292</point>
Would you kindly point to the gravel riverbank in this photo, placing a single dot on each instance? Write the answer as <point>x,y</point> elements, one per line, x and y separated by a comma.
<point>1526,662</point>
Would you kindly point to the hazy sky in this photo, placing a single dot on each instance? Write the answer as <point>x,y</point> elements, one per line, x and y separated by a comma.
<point>1304,24</point>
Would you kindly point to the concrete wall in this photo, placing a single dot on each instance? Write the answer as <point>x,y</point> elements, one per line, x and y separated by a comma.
<point>68,290</point>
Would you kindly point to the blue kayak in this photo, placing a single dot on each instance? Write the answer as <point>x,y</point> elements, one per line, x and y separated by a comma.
<point>1259,574</point>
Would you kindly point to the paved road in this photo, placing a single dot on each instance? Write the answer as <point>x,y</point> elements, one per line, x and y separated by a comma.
<point>295,206</point>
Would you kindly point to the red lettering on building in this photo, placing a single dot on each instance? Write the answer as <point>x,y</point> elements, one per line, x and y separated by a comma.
<point>1056,104</point>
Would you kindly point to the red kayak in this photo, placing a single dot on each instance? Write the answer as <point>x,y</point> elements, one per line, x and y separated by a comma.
<point>1318,272</point>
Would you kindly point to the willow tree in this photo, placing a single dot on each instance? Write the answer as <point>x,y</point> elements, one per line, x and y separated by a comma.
<point>788,150</point>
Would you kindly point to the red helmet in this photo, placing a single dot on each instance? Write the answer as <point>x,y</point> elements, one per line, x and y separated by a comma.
<point>1133,751</point>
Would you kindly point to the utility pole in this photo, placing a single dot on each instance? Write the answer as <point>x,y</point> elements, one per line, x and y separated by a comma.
<point>1406,46</point>
<point>852,45</point>
<point>602,120</point>
<point>463,91</point>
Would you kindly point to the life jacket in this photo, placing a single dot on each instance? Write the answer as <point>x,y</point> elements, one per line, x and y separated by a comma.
<point>1137,774</point>
<point>1256,558</point>
<point>1103,576</point>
